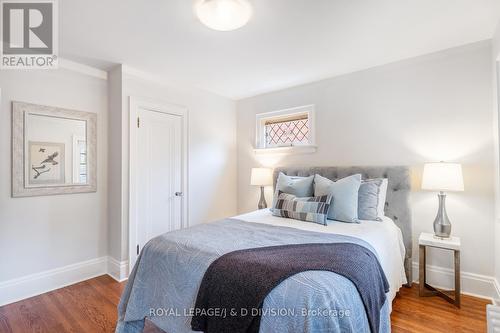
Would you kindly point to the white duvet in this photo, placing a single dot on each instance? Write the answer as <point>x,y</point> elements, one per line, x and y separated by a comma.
<point>384,236</point>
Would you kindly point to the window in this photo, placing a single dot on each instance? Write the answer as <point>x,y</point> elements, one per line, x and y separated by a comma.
<point>290,131</point>
<point>286,128</point>
<point>79,160</point>
<point>82,170</point>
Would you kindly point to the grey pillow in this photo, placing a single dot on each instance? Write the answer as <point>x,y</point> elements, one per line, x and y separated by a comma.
<point>298,186</point>
<point>312,209</point>
<point>344,194</point>
<point>371,199</point>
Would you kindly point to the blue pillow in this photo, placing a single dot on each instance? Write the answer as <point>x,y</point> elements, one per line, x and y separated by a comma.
<point>371,199</point>
<point>344,194</point>
<point>299,186</point>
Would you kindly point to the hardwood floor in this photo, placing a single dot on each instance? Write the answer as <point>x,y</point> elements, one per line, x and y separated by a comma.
<point>90,306</point>
<point>411,313</point>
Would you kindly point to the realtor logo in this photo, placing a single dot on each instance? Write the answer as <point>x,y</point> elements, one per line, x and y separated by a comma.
<point>29,34</point>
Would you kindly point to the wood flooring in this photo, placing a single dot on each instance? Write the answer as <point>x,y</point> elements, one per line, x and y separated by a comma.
<point>91,307</point>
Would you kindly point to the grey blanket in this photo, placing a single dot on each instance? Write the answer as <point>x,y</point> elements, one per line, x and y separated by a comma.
<point>167,275</point>
<point>239,281</point>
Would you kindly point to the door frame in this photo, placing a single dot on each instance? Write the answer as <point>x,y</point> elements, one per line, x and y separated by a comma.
<point>136,103</point>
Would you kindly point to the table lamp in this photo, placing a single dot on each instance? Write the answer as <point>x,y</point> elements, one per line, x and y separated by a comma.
<point>442,177</point>
<point>262,177</point>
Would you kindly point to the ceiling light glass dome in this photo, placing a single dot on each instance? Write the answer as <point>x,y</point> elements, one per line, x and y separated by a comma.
<point>223,15</point>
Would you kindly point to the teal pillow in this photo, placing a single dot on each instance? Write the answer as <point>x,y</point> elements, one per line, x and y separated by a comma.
<point>344,194</point>
<point>299,186</point>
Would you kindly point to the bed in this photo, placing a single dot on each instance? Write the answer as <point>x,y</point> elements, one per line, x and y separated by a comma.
<point>164,283</point>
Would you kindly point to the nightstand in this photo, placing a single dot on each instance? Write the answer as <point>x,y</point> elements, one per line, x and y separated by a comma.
<point>453,244</point>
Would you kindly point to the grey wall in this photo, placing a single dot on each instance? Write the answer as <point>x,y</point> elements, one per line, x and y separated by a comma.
<point>497,220</point>
<point>496,112</point>
<point>430,108</point>
<point>114,162</point>
<point>212,152</point>
<point>42,233</point>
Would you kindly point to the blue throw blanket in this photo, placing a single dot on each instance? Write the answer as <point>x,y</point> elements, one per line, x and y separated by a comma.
<point>239,281</point>
<point>165,280</point>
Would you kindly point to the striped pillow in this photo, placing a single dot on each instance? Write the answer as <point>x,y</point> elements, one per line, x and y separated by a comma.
<point>310,209</point>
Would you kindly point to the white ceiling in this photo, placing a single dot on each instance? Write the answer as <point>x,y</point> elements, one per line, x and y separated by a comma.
<point>286,43</point>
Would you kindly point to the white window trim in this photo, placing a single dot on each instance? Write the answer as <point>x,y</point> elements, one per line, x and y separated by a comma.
<point>260,131</point>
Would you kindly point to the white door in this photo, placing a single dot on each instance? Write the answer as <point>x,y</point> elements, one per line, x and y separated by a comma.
<point>157,161</point>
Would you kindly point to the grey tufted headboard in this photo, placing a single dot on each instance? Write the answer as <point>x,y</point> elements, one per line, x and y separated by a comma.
<point>397,205</point>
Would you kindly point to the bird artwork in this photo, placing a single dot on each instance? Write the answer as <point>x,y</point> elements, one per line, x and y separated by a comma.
<point>47,162</point>
<point>51,159</point>
<point>39,170</point>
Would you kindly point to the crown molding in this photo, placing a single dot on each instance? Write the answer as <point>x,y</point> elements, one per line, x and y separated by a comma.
<point>82,69</point>
<point>163,81</point>
<point>153,78</point>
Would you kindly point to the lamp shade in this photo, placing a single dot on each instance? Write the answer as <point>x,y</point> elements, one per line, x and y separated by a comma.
<point>261,177</point>
<point>443,176</point>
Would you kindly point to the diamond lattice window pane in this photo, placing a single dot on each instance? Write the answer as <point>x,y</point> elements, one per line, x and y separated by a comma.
<point>287,132</point>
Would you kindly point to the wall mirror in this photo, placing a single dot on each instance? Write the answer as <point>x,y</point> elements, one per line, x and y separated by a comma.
<point>53,150</point>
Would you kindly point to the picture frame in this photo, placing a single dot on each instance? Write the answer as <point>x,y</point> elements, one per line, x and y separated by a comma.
<point>59,180</point>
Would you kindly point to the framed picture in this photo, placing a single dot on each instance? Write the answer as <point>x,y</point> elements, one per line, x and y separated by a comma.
<point>54,150</point>
<point>46,163</point>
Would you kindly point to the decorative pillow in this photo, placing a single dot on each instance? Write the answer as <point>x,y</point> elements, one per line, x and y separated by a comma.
<point>371,199</point>
<point>383,198</point>
<point>312,209</point>
<point>298,186</point>
<point>344,194</point>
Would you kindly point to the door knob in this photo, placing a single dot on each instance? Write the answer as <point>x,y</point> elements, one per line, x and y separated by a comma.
<point>179,194</point>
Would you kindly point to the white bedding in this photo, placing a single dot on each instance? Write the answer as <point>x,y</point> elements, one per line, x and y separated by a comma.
<point>385,237</point>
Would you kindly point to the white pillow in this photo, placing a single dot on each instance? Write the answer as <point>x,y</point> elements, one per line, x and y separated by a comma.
<point>382,198</point>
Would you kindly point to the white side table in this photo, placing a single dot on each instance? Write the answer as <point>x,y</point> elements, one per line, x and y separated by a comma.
<point>452,244</point>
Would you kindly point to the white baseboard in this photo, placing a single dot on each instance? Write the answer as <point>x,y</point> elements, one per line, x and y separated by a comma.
<point>496,300</point>
<point>35,284</point>
<point>471,284</point>
<point>118,270</point>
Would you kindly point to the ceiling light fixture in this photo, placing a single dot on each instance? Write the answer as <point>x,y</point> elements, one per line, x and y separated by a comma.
<point>223,15</point>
